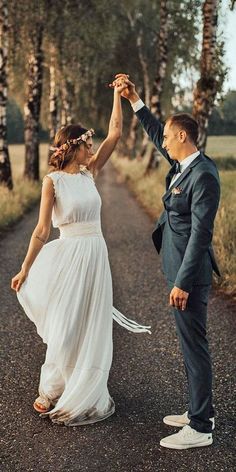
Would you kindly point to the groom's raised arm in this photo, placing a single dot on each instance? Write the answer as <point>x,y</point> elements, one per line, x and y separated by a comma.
<point>150,123</point>
<point>152,126</point>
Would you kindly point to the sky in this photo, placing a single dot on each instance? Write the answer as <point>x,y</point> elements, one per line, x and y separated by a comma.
<point>228,25</point>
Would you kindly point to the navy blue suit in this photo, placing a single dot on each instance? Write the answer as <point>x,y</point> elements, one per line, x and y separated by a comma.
<point>183,235</point>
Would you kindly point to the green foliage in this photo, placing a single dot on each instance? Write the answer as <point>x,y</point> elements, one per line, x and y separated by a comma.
<point>94,39</point>
<point>15,124</point>
<point>226,163</point>
<point>223,118</point>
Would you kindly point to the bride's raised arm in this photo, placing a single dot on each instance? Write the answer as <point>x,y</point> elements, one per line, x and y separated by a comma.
<point>114,132</point>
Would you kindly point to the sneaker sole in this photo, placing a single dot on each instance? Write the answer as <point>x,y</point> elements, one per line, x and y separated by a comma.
<point>180,425</point>
<point>174,423</point>
<point>188,446</point>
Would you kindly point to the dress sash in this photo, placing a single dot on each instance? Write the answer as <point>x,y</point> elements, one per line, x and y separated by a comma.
<point>128,324</point>
<point>71,230</point>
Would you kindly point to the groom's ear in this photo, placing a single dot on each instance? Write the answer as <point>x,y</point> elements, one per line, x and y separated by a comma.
<point>182,136</point>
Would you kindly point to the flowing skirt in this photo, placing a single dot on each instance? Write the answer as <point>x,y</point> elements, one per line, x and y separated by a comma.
<point>68,296</point>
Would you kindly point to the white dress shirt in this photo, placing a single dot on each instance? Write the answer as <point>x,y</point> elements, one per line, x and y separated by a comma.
<point>184,164</point>
<point>137,105</point>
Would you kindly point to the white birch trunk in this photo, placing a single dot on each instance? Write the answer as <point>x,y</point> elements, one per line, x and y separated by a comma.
<point>67,96</point>
<point>32,106</point>
<point>53,98</point>
<point>5,166</point>
<point>208,84</point>
<point>162,54</point>
<point>146,86</point>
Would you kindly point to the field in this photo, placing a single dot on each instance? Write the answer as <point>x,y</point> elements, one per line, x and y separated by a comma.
<point>17,159</point>
<point>221,146</point>
<point>25,194</point>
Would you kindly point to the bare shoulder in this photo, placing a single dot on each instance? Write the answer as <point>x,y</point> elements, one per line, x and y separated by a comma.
<point>48,185</point>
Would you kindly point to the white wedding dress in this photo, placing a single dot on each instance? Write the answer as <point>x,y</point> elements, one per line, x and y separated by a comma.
<point>68,295</point>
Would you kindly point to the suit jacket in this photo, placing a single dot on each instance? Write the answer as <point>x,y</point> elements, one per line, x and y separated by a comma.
<point>184,230</point>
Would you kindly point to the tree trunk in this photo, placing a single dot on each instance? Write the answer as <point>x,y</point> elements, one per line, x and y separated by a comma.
<point>53,98</point>
<point>130,143</point>
<point>155,101</point>
<point>5,166</point>
<point>93,99</point>
<point>67,94</point>
<point>146,82</point>
<point>162,61</point>
<point>146,86</point>
<point>132,137</point>
<point>32,106</point>
<point>144,67</point>
<point>210,81</point>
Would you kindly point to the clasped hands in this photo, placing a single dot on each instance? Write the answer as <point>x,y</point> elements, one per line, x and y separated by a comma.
<point>127,87</point>
<point>120,84</point>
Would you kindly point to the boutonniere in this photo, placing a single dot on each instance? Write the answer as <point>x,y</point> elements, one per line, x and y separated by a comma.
<point>177,190</point>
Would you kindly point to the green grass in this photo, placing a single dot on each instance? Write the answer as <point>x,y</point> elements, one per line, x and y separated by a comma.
<point>221,146</point>
<point>225,231</point>
<point>25,193</point>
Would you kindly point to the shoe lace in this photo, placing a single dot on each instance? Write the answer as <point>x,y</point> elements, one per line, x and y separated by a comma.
<point>187,431</point>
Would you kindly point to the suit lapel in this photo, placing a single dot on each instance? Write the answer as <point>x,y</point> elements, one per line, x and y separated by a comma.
<point>169,176</point>
<point>182,176</point>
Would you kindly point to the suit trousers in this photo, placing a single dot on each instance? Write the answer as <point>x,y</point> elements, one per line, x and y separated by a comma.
<point>191,330</point>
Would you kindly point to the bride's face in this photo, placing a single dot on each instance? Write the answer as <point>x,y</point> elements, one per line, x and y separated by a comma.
<point>85,152</point>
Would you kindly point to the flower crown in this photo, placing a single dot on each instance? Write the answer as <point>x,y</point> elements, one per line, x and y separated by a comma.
<point>82,139</point>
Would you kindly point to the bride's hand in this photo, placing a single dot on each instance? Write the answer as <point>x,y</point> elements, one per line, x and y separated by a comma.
<point>18,280</point>
<point>119,85</point>
<point>128,91</point>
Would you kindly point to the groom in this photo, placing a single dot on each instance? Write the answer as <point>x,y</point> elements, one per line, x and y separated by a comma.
<point>183,234</point>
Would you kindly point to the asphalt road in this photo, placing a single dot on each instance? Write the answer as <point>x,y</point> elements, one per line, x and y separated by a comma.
<point>147,378</point>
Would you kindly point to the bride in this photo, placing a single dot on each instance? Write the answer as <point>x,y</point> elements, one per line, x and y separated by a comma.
<point>65,286</point>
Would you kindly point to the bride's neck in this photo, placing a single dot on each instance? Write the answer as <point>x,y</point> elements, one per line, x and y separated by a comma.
<point>72,168</point>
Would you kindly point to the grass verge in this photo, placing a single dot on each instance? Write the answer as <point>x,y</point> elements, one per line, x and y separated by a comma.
<point>13,204</point>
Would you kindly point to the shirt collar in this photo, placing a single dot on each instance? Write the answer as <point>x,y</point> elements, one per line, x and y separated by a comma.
<point>188,160</point>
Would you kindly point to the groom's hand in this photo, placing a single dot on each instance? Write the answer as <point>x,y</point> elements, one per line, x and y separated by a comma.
<point>129,92</point>
<point>178,298</point>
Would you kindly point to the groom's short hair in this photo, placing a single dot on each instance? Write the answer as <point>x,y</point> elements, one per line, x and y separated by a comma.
<point>186,122</point>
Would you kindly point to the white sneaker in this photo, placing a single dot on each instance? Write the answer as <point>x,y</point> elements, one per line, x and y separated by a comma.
<point>182,420</point>
<point>187,438</point>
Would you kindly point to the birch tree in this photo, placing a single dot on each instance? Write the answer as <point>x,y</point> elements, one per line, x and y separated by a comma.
<point>136,25</point>
<point>211,70</point>
<point>33,103</point>
<point>5,166</point>
<point>162,58</point>
<point>157,89</point>
<point>53,94</point>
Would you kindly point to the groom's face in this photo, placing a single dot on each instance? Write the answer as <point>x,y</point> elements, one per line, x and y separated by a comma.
<point>173,141</point>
